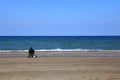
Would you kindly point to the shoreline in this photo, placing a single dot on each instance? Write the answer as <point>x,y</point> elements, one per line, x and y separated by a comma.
<point>63,50</point>
<point>61,54</point>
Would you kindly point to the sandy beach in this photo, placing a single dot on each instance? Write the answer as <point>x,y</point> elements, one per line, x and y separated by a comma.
<point>16,66</point>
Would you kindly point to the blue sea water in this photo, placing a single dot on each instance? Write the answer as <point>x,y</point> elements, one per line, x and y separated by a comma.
<point>60,43</point>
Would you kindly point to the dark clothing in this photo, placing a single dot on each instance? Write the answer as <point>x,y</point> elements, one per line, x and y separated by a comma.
<point>31,52</point>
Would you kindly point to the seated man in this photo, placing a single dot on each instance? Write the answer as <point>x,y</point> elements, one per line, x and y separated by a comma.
<point>31,53</point>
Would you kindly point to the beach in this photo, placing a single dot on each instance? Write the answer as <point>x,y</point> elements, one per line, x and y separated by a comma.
<point>49,66</point>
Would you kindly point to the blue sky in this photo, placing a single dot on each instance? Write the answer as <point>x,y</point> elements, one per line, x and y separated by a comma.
<point>59,17</point>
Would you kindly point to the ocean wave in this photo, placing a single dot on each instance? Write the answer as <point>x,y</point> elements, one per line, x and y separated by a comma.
<point>76,50</point>
<point>13,50</point>
<point>62,50</point>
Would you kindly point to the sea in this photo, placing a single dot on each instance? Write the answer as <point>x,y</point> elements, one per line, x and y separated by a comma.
<point>60,43</point>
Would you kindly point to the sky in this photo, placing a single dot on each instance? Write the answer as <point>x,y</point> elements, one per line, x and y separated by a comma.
<point>59,17</point>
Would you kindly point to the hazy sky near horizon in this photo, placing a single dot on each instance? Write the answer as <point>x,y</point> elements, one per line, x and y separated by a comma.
<point>59,17</point>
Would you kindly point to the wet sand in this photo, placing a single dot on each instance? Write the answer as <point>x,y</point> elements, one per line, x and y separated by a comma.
<point>16,66</point>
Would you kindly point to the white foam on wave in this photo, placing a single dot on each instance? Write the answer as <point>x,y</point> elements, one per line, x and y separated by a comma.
<point>76,50</point>
<point>13,51</point>
<point>61,50</point>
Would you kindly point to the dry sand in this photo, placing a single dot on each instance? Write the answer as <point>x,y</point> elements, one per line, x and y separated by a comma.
<point>59,68</point>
